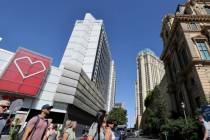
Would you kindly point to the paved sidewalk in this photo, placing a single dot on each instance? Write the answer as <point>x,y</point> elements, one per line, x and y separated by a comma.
<point>4,137</point>
<point>139,138</point>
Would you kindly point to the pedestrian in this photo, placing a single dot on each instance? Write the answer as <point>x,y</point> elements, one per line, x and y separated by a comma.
<point>52,132</point>
<point>109,129</point>
<point>97,129</point>
<point>14,129</point>
<point>69,131</point>
<point>4,105</point>
<point>84,134</point>
<point>8,125</point>
<point>206,128</point>
<point>37,126</point>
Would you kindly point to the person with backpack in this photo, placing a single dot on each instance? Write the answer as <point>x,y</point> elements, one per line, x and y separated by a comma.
<point>98,128</point>
<point>37,126</point>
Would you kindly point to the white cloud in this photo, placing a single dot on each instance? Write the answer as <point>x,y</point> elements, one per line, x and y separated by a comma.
<point>1,39</point>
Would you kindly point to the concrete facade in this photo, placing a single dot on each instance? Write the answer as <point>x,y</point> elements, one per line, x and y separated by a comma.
<point>76,88</point>
<point>150,71</point>
<point>186,55</point>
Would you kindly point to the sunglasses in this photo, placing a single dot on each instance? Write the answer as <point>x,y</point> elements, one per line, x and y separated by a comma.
<point>4,106</point>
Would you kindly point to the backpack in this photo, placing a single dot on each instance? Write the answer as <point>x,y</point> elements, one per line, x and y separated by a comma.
<point>20,134</point>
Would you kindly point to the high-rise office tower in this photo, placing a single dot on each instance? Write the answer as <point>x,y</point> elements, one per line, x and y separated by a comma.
<point>150,71</point>
<point>112,88</point>
<point>88,48</point>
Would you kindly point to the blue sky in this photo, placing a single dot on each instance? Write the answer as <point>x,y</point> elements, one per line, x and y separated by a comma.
<point>46,25</point>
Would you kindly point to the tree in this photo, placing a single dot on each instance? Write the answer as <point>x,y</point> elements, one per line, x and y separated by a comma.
<point>179,130</point>
<point>119,115</point>
<point>155,114</point>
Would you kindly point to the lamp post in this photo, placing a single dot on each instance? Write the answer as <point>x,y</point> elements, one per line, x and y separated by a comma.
<point>183,107</point>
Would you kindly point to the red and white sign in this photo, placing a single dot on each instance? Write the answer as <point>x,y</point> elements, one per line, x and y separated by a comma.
<point>25,74</point>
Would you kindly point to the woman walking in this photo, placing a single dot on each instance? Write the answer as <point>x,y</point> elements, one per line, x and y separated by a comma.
<point>69,131</point>
<point>98,128</point>
<point>52,132</point>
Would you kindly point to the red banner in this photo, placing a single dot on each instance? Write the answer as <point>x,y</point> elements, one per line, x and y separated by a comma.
<point>25,74</point>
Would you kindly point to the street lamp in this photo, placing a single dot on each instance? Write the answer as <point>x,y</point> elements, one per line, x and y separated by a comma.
<point>183,107</point>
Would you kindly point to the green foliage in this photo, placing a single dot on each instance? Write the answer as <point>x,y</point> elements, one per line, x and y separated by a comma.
<point>119,115</point>
<point>13,129</point>
<point>155,119</point>
<point>151,121</point>
<point>155,101</point>
<point>155,114</point>
<point>149,98</point>
<point>180,129</point>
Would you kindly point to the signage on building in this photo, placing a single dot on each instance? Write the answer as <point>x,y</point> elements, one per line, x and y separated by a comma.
<point>25,73</point>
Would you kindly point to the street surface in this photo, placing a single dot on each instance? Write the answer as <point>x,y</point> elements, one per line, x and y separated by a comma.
<point>139,138</point>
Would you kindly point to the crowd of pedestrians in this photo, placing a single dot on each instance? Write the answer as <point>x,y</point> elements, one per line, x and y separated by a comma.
<point>40,127</point>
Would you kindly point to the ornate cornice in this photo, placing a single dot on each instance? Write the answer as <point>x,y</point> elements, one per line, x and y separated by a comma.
<point>203,1</point>
<point>188,18</point>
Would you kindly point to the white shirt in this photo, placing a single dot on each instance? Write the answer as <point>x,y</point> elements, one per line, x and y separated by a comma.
<point>207,127</point>
<point>113,136</point>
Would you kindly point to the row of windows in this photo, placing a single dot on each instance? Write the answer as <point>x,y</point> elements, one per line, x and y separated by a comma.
<point>102,67</point>
<point>192,26</point>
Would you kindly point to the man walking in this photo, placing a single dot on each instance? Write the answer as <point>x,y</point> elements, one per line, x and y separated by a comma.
<point>4,105</point>
<point>37,126</point>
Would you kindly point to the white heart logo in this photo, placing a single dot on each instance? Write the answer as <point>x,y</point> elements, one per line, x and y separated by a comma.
<point>31,63</point>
